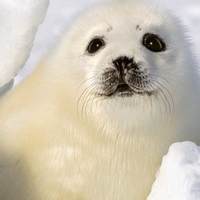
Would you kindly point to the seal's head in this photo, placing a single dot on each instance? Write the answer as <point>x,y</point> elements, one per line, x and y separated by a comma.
<point>128,55</point>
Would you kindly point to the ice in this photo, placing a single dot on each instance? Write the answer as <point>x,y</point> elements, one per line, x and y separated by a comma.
<point>19,21</point>
<point>179,175</point>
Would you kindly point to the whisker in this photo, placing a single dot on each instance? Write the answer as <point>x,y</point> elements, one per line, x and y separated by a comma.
<point>88,101</point>
<point>87,80</point>
<point>85,94</point>
<point>163,79</point>
<point>163,99</point>
<point>171,97</point>
<point>164,96</point>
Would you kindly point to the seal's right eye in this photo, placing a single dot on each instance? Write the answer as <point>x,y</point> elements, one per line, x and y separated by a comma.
<point>95,45</point>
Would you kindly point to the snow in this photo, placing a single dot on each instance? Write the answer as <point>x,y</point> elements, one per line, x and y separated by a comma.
<point>15,47</point>
<point>179,175</point>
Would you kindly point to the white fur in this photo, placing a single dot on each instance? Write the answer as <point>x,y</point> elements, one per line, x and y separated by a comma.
<point>60,141</point>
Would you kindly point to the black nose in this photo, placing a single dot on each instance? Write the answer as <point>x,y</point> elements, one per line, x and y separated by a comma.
<point>122,63</point>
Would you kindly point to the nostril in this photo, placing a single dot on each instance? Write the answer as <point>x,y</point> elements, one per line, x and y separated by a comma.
<point>122,62</point>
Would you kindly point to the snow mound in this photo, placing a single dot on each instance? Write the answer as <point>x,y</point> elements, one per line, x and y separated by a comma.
<point>19,21</point>
<point>179,175</point>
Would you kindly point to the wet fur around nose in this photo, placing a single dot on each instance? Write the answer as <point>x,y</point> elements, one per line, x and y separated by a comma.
<point>126,76</point>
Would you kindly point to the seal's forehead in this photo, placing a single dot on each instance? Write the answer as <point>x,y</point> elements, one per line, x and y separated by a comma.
<point>128,17</point>
<point>127,13</point>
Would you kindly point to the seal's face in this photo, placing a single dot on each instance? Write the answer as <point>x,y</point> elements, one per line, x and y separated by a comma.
<point>129,52</point>
<point>127,72</point>
<point>126,77</point>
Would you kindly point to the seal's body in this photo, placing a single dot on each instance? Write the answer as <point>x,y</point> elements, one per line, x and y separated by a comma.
<point>95,118</point>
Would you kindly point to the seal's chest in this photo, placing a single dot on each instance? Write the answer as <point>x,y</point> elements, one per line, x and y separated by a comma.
<point>97,173</point>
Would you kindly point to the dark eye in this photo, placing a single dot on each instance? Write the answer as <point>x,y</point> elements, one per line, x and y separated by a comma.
<point>153,43</point>
<point>95,45</point>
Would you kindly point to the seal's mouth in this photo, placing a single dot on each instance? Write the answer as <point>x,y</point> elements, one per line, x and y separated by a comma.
<point>133,83</point>
<point>123,90</point>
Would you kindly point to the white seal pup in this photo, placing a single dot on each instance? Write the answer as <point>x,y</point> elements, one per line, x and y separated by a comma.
<point>95,118</point>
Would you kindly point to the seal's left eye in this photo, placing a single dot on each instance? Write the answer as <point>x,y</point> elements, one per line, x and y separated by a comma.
<point>153,42</point>
<point>95,45</point>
